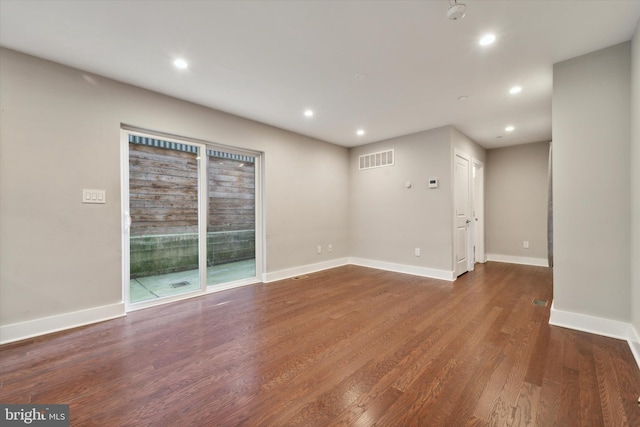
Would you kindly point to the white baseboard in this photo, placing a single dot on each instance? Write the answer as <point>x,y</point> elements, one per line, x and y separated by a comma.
<point>540,262</point>
<point>403,268</point>
<point>591,324</point>
<point>32,328</point>
<point>381,265</point>
<point>60,322</point>
<point>599,326</point>
<point>305,269</point>
<point>634,343</point>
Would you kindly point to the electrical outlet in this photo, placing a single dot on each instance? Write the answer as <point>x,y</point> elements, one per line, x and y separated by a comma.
<point>319,249</point>
<point>417,251</point>
<point>330,248</point>
<point>525,244</point>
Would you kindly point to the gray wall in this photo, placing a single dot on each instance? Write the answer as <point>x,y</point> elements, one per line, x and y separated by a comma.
<point>461,142</point>
<point>591,183</point>
<point>60,133</point>
<point>516,187</point>
<point>387,220</point>
<point>635,178</point>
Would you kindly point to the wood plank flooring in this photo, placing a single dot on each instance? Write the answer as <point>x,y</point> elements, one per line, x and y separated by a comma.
<point>350,346</point>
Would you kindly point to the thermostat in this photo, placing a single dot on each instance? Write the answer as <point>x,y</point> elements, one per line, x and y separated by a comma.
<point>433,182</point>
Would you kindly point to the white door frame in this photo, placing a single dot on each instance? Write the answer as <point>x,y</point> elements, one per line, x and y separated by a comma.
<point>478,210</point>
<point>126,221</point>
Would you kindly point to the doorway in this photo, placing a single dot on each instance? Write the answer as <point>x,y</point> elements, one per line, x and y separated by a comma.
<point>190,212</point>
<point>462,214</point>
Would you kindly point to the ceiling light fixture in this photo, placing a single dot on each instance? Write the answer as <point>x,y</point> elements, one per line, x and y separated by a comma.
<point>360,132</point>
<point>180,63</point>
<point>308,113</point>
<point>456,10</point>
<point>509,128</point>
<point>515,89</point>
<point>487,39</point>
<point>463,98</point>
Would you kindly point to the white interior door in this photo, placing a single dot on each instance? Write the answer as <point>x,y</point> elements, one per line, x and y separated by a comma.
<point>462,211</point>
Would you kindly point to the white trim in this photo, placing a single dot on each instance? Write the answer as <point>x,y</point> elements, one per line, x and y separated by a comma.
<point>634,344</point>
<point>260,218</point>
<point>60,322</point>
<point>304,269</point>
<point>194,294</point>
<point>477,184</point>
<point>511,259</point>
<point>592,324</point>
<point>202,185</point>
<point>599,326</point>
<point>404,268</point>
<point>203,212</point>
<point>125,216</point>
<point>211,289</point>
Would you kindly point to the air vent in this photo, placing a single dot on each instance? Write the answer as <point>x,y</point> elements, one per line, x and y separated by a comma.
<point>376,160</point>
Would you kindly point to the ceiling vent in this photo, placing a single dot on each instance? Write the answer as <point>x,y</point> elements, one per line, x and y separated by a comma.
<point>376,160</point>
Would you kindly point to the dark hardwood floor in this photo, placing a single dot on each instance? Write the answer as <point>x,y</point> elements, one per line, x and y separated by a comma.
<point>350,346</point>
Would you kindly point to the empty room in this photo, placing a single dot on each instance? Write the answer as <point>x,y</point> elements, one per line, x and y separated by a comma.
<point>327,213</point>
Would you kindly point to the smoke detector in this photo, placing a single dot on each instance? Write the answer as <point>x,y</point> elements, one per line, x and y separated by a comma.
<point>456,10</point>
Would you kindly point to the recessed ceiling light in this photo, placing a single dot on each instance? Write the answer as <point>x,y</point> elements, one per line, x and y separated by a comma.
<point>180,63</point>
<point>308,113</point>
<point>360,132</point>
<point>509,128</point>
<point>487,39</point>
<point>515,89</point>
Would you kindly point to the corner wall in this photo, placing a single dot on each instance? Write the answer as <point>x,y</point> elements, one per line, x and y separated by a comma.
<point>591,186</point>
<point>516,203</point>
<point>388,221</point>
<point>60,133</point>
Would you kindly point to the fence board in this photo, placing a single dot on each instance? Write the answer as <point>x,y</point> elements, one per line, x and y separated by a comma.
<point>164,196</point>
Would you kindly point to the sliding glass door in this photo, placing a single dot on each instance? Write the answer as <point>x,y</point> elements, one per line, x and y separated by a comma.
<point>164,207</point>
<point>190,219</point>
<point>231,226</point>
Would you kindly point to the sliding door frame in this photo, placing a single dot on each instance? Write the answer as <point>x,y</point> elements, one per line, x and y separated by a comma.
<point>202,158</point>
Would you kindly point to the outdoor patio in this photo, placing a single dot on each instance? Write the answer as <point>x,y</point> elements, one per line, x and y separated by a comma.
<point>153,287</point>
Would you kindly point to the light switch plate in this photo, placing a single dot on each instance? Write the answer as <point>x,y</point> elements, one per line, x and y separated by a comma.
<point>94,196</point>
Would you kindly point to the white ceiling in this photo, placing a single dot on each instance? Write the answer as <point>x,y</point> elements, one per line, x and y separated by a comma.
<point>271,60</point>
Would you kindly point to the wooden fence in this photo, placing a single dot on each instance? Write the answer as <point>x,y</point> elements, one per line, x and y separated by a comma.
<point>163,194</point>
